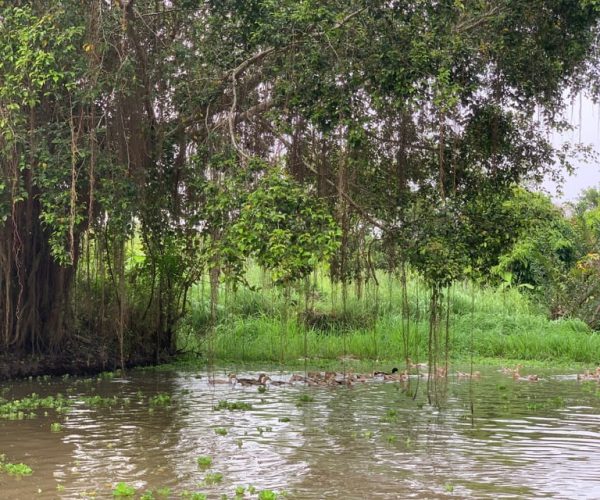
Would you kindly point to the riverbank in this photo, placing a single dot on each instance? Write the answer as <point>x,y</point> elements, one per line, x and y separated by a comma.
<point>83,364</point>
<point>484,323</point>
<point>264,325</point>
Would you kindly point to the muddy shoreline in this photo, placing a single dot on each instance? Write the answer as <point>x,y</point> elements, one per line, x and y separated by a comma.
<point>18,367</point>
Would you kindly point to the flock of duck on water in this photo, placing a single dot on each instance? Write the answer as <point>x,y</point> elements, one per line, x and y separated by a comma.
<point>332,378</point>
<point>515,374</point>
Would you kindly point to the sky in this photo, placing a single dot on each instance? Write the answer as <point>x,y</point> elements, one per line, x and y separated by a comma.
<point>585,117</point>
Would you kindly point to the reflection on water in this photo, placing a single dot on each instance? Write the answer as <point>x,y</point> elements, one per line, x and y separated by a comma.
<point>524,440</point>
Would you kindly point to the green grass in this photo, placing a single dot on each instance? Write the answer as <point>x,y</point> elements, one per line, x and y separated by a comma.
<point>259,326</point>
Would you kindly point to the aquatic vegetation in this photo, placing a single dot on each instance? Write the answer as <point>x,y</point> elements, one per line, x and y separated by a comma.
<point>304,398</point>
<point>123,490</point>
<point>262,389</point>
<point>448,488</point>
<point>189,495</point>
<point>19,408</point>
<point>391,439</point>
<point>267,495</point>
<point>15,469</point>
<point>284,419</point>
<point>213,478</point>
<point>204,462</point>
<point>391,416</point>
<point>232,406</point>
<point>556,402</point>
<point>164,492</point>
<point>239,491</point>
<point>239,443</point>
<point>161,399</point>
<point>56,427</point>
<point>221,431</point>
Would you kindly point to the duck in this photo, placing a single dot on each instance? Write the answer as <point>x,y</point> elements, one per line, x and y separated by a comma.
<point>595,375</point>
<point>383,374</point>
<point>231,378</point>
<point>514,372</point>
<point>296,378</point>
<point>262,379</point>
<point>397,376</point>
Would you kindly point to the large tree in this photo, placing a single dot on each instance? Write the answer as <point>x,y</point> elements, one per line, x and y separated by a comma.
<point>400,115</point>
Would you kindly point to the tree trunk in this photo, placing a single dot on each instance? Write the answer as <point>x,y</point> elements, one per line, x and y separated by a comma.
<point>34,287</point>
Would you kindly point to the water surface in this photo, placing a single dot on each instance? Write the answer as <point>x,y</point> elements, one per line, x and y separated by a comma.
<point>491,438</point>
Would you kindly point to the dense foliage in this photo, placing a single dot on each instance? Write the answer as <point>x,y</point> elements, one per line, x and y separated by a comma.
<point>145,144</point>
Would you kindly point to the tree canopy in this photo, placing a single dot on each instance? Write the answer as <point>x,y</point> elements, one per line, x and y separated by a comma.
<point>208,132</point>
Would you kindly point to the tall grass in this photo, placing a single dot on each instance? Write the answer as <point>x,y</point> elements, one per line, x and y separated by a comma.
<point>261,325</point>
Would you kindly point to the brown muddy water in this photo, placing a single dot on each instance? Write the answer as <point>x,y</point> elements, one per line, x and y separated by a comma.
<point>523,440</point>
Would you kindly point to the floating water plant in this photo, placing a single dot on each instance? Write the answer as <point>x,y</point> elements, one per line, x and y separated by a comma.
<point>189,495</point>
<point>16,469</point>
<point>123,490</point>
<point>220,431</point>
<point>239,491</point>
<point>267,495</point>
<point>448,488</point>
<point>19,408</point>
<point>99,401</point>
<point>213,478</point>
<point>390,438</point>
<point>161,399</point>
<point>304,398</point>
<point>391,416</point>
<point>262,389</point>
<point>56,427</point>
<point>204,462</point>
<point>232,406</point>
<point>284,419</point>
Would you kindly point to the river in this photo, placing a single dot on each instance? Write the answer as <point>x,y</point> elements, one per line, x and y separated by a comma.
<point>490,438</point>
